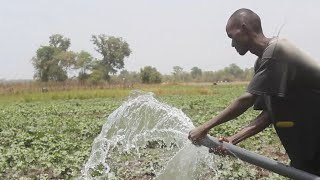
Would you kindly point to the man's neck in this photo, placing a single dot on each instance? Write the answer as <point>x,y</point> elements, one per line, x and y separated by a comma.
<point>260,43</point>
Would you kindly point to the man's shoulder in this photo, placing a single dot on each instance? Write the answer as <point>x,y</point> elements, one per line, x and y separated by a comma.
<point>283,45</point>
<point>287,52</point>
<point>280,41</point>
<point>278,47</point>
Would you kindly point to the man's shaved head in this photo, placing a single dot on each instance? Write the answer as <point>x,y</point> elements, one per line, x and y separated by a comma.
<point>244,27</point>
<point>246,17</point>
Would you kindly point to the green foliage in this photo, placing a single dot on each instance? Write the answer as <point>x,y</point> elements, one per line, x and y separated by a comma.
<point>42,62</point>
<point>178,75</point>
<point>51,139</point>
<point>96,76</point>
<point>59,41</point>
<point>126,77</point>
<point>113,51</point>
<point>231,73</point>
<point>233,70</point>
<point>52,62</point>
<point>84,63</point>
<point>228,74</point>
<point>56,73</point>
<point>45,139</point>
<point>150,75</point>
<point>196,72</point>
<point>66,59</point>
<point>177,70</point>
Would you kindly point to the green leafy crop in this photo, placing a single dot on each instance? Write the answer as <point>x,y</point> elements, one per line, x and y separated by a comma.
<point>52,139</point>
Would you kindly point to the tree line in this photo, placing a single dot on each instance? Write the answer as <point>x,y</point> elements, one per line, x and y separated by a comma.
<point>150,74</point>
<point>55,62</point>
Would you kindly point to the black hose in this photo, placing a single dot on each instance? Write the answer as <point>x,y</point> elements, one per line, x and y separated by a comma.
<point>259,160</point>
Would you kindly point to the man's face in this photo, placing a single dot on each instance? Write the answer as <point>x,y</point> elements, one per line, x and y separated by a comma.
<point>239,37</point>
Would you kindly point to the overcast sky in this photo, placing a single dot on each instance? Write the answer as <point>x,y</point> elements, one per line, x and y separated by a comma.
<point>162,33</point>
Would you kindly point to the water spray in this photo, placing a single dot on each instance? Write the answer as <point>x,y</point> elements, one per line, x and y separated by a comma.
<point>142,119</point>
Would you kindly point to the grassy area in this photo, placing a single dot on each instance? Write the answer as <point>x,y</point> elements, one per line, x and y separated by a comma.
<point>49,135</point>
<point>32,95</point>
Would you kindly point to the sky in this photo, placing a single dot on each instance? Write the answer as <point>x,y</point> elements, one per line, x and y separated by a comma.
<point>160,33</point>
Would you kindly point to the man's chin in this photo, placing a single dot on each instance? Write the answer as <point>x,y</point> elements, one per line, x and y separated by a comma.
<point>242,53</point>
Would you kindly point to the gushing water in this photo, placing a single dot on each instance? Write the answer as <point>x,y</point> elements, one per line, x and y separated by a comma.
<point>148,133</point>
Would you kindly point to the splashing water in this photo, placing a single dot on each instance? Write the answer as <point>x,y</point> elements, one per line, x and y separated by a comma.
<point>149,135</point>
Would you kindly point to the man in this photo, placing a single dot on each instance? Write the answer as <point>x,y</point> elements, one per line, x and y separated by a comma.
<point>286,87</point>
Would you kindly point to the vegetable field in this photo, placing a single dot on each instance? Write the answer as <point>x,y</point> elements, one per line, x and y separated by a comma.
<point>50,138</point>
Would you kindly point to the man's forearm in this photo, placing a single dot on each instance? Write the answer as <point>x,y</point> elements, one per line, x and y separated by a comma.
<point>256,126</point>
<point>234,110</point>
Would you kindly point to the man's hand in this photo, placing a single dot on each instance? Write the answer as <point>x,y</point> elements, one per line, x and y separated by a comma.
<point>220,150</point>
<point>196,134</point>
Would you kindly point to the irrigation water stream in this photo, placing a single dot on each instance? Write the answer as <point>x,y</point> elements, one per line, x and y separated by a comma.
<point>147,139</point>
<point>137,124</point>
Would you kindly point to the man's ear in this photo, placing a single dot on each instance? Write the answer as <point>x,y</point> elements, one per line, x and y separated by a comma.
<point>244,27</point>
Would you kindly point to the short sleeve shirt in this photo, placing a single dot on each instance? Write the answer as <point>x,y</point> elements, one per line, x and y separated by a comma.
<point>287,83</point>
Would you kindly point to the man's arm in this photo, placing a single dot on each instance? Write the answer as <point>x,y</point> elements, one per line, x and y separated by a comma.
<point>256,126</point>
<point>238,107</point>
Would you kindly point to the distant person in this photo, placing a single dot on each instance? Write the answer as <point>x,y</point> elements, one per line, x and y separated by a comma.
<point>285,87</point>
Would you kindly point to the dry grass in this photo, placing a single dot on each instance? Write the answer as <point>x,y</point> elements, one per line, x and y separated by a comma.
<point>34,91</point>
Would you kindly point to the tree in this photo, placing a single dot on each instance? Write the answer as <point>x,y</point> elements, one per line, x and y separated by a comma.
<point>113,51</point>
<point>83,63</point>
<point>126,77</point>
<point>65,59</point>
<point>124,73</point>
<point>53,62</point>
<point>196,72</point>
<point>150,75</point>
<point>59,41</point>
<point>177,70</point>
<point>43,61</point>
<point>96,76</point>
<point>56,73</point>
<point>98,72</point>
<point>209,76</point>
<point>177,73</point>
<point>235,71</point>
